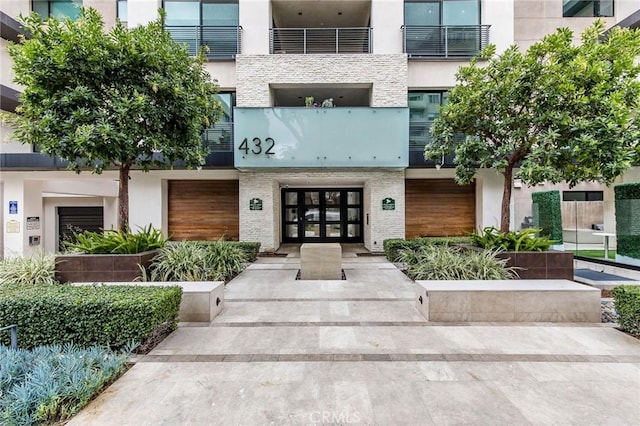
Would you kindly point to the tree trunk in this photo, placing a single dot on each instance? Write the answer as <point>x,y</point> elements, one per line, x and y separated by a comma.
<point>505,216</point>
<point>123,198</point>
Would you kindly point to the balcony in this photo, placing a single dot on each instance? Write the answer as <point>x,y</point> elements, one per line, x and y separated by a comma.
<point>320,40</point>
<point>321,137</point>
<point>219,140</point>
<point>218,42</point>
<point>448,41</point>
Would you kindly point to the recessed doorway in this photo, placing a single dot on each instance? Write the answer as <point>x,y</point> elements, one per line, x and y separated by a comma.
<point>322,215</point>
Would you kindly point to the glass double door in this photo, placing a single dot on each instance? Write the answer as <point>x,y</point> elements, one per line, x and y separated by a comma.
<point>322,215</point>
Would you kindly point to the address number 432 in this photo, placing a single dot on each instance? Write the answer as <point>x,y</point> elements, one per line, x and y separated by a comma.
<point>257,147</point>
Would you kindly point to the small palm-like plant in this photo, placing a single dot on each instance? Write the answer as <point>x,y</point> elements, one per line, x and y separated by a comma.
<point>39,269</point>
<point>117,242</point>
<point>525,240</point>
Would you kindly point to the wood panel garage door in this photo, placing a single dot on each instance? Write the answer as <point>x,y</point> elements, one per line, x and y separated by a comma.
<point>438,208</point>
<point>203,209</point>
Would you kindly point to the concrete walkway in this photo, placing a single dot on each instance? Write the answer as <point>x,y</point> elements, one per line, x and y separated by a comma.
<point>357,352</point>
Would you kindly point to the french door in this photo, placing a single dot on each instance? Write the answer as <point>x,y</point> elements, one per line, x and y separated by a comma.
<point>322,215</point>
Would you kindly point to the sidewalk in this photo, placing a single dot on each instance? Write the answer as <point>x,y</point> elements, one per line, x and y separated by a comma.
<point>357,352</point>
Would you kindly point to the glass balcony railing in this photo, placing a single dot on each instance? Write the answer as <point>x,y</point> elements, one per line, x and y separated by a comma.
<point>321,137</point>
<point>218,42</point>
<point>445,41</point>
<point>320,40</point>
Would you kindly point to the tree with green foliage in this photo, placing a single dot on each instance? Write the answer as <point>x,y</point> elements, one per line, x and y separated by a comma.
<point>558,112</point>
<point>124,98</point>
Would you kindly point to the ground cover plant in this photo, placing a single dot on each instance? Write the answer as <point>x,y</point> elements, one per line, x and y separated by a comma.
<point>39,269</point>
<point>394,245</point>
<point>491,238</point>
<point>112,316</point>
<point>627,302</point>
<point>197,261</point>
<point>49,384</point>
<point>430,262</point>
<point>110,241</point>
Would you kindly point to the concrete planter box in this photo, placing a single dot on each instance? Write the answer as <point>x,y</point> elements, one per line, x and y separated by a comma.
<point>508,301</point>
<point>102,267</point>
<point>550,265</point>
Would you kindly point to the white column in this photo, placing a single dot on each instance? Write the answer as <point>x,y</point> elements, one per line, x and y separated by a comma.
<point>110,211</point>
<point>142,12</point>
<point>22,199</point>
<point>489,186</point>
<point>387,18</point>
<point>255,20</point>
<point>145,200</point>
<point>500,15</point>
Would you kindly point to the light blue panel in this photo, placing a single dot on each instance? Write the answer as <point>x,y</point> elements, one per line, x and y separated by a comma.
<point>321,137</point>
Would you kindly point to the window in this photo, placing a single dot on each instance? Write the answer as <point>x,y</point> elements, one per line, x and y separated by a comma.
<point>587,8</point>
<point>211,25</point>
<point>424,108</point>
<point>216,13</point>
<point>122,11</point>
<point>219,138</point>
<point>582,196</point>
<point>443,12</point>
<point>58,8</point>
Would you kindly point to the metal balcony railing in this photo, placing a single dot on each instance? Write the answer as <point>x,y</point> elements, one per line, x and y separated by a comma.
<point>218,42</point>
<point>219,138</point>
<point>320,40</point>
<point>445,41</point>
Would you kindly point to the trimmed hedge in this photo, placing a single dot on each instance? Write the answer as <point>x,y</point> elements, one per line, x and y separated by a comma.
<point>627,303</point>
<point>549,214</point>
<point>393,246</point>
<point>628,219</point>
<point>87,315</point>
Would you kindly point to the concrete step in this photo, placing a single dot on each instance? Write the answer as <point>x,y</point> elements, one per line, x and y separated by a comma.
<point>318,311</point>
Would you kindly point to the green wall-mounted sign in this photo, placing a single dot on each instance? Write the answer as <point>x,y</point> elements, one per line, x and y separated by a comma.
<point>388,204</point>
<point>255,204</point>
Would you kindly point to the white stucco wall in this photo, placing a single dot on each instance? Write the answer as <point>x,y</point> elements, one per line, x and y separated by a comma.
<point>387,17</point>
<point>255,20</point>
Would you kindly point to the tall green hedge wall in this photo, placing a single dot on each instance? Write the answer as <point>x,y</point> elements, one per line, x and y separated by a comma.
<point>549,214</point>
<point>628,219</point>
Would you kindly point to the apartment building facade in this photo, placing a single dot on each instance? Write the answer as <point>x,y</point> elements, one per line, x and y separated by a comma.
<point>327,108</point>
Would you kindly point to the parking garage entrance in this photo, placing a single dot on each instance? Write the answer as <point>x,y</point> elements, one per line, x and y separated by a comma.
<point>322,215</point>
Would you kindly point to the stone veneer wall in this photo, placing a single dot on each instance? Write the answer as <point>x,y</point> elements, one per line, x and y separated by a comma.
<point>386,72</point>
<point>264,225</point>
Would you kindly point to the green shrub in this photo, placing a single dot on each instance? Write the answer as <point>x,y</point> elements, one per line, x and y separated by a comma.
<point>38,269</point>
<point>198,261</point>
<point>491,238</point>
<point>627,218</point>
<point>51,383</point>
<point>117,242</point>
<point>548,214</point>
<point>627,302</point>
<point>432,262</point>
<point>394,245</point>
<point>250,249</point>
<point>87,315</point>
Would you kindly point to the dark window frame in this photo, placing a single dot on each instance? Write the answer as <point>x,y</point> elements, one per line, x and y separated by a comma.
<point>588,196</point>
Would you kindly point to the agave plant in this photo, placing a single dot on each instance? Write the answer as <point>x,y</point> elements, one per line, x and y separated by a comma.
<point>39,269</point>
<point>197,261</point>
<point>451,263</point>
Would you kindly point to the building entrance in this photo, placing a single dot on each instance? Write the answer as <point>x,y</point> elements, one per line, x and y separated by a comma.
<point>322,215</point>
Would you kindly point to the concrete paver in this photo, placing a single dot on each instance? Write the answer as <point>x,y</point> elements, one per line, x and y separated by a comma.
<point>356,352</point>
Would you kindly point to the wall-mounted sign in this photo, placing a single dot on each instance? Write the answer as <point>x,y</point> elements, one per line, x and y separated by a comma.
<point>388,204</point>
<point>255,204</point>
<point>33,223</point>
<point>13,227</point>
<point>13,207</point>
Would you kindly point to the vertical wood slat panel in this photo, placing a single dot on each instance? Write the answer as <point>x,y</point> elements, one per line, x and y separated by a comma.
<point>203,209</point>
<point>439,208</point>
